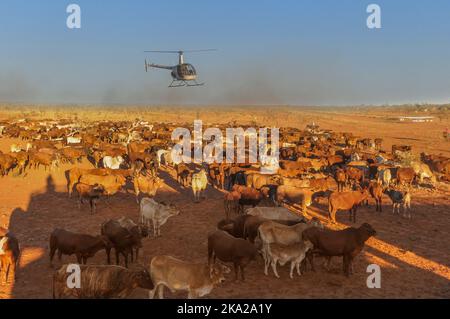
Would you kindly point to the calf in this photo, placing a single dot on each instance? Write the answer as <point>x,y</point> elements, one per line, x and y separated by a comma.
<point>272,232</point>
<point>398,199</point>
<point>91,193</point>
<point>230,249</point>
<point>197,279</point>
<point>101,281</point>
<point>347,243</point>
<point>69,243</point>
<point>294,253</point>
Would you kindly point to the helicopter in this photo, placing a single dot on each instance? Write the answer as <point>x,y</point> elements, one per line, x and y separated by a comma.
<point>183,74</point>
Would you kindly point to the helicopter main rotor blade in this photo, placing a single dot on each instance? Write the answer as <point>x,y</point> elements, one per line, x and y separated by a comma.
<point>201,50</point>
<point>181,51</point>
<point>164,51</point>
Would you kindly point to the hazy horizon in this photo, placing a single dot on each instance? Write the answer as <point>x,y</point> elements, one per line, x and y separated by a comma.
<point>290,53</point>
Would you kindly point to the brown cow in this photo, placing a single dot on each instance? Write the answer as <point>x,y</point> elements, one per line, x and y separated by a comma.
<point>323,184</point>
<point>249,196</point>
<point>346,201</point>
<point>75,173</point>
<point>43,158</point>
<point>69,243</point>
<point>184,174</point>
<point>22,158</point>
<point>405,175</point>
<point>295,195</point>
<point>295,166</point>
<point>146,184</point>
<point>7,162</point>
<point>354,175</point>
<point>111,183</point>
<point>71,154</point>
<point>347,243</point>
<point>231,202</point>
<point>341,179</point>
<point>234,226</point>
<point>230,249</point>
<point>122,238</point>
<point>376,191</point>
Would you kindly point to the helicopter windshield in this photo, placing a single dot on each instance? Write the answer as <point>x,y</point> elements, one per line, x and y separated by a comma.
<point>186,69</point>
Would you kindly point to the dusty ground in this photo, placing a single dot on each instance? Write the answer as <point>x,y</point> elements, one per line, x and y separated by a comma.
<point>413,255</point>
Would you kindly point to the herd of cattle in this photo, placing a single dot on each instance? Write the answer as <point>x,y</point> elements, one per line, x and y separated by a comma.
<point>260,209</point>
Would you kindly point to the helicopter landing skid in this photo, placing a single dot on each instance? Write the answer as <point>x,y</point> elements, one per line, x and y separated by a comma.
<point>181,83</point>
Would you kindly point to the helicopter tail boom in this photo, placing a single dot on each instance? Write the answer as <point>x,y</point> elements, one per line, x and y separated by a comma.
<point>153,65</point>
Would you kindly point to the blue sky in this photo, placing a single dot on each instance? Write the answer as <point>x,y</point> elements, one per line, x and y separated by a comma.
<point>269,52</point>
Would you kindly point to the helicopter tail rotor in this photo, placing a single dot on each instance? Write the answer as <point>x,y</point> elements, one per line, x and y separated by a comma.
<point>146,67</point>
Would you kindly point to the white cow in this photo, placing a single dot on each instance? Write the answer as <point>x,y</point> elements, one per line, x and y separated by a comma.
<point>15,148</point>
<point>112,162</point>
<point>199,183</point>
<point>151,210</point>
<point>73,140</point>
<point>384,176</point>
<point>423,171</point>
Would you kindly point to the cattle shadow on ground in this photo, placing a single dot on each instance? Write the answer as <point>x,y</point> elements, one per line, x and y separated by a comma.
<point>417,235</point>
<point>210,192</point>
<point>51,208</point>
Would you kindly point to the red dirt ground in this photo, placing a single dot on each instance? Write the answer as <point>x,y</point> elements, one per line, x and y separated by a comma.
<point>413,255</point>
